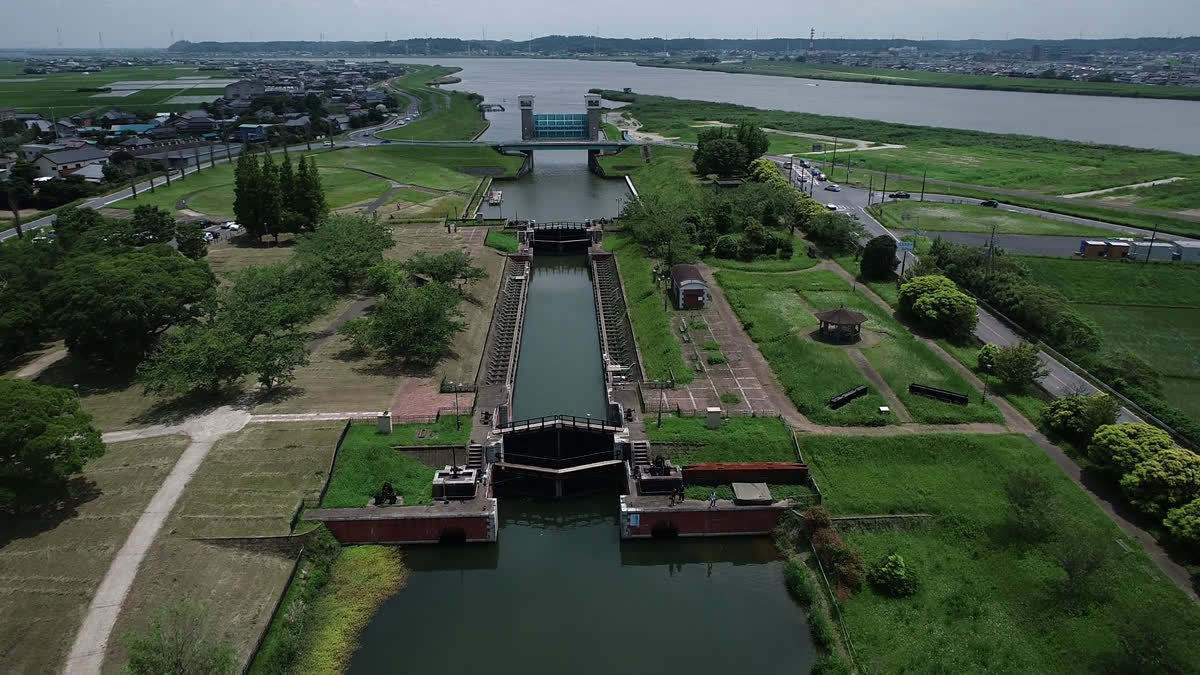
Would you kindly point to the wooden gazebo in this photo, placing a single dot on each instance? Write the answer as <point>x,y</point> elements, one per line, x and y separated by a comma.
<point>841,324</point>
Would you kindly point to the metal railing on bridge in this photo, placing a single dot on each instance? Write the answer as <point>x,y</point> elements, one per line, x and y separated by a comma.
<point>570,421</point>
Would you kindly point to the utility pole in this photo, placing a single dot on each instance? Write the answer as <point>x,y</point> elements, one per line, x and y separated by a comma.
<point>835,140</point>
<point>133,188</point>
<point>870,189</point>
<point>167,172</point>
<point>197,156</point>
<point>923,175</point>
<point>991,253</point>
<point>883,193</point>
<point>211,162</point>
<point>1150,248</point>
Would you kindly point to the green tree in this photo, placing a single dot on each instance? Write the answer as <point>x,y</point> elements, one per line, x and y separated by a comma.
<point>205,357</point>
<point>1167,480</point>
<point>284,296</point>
<point>274,358</point>
<point>270,201</point>
<point>1119,448</point>
<point>18,190</point>
<point>914,290</point>
<point>26,268</point>
<point>189,237</point>
<point>1034,505</point>
<point>753,139</point>
<point>152,225</point>
<point>1081,552</point>
<point>987,357</point>
<point>45,438</point>
<point>72,225</point>
<point>721,156</point>
<point>445,268</point>
<point>1018,365</point>
<point>892,577</point>
<point>246,178</point>
<point>835,232</point>
<point>1183,522</point>
<point>182,640</point>
<point>345,247</point>
<point>410,324</point>
<point>1078,417</point>
<point>310,197</point>
<point>879,258</point>
<point>763,170</point>
<point>947,312</point>
<point>114,307</point>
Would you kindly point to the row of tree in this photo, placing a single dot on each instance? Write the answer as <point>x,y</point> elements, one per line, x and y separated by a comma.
<point>272,200</point>
<point>728,150</point>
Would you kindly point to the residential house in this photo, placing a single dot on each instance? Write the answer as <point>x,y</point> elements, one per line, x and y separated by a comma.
<point>91,173</point>
<point>244,90</point>
<point>251,133</point>
<point>114,117</point>
<point>163,133</point>
<point>195,122</point>
<point>298,123</point>
<point>342,121</point>
<point>64,162</point>
<point>135,143</point>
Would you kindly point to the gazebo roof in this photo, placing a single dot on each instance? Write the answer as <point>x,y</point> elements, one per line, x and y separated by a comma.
<point>841,317</point>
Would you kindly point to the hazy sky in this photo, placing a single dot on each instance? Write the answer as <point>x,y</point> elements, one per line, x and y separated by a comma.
<point>148,23</point>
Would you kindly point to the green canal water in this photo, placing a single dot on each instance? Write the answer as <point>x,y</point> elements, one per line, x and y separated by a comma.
<point>562,594</point>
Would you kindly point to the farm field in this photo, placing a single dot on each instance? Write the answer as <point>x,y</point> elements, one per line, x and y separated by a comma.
<point>50,566</point>
<point>943,217</point>
<point>991,598</point>
<point>59,91</point>
<point>249,485</point>
<point>1150,309</point>
<point>778,310</point>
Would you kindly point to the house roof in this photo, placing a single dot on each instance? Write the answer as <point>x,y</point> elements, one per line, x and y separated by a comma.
<point>94,172</point>
<point>841,317</point>
<point>84,154</point>
<point>683,272</point>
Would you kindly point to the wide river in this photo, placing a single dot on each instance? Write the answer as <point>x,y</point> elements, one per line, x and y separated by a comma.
<point>560,85</point>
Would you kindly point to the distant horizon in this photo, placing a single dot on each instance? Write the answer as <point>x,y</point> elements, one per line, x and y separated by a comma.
<point>506,40</point>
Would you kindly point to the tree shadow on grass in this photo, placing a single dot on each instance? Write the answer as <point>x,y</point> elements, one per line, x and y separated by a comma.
<point>31,522</point>
<point>178,409</point>
<point>91,377</point>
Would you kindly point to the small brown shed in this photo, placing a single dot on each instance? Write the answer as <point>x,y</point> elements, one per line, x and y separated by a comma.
<point>688,288</point>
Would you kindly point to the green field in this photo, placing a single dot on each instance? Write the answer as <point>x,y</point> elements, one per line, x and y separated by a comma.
<point>989,599</point>
<point>55,94</point>
<point>367,459</point>
<point>943,217</point>
<point>778,309</point>
<point>973,157</point>
<point>1176,196</point>
<point>1152,309</point>
<point>740,439</point>
<point>437,168</point>
<point>916,78</point>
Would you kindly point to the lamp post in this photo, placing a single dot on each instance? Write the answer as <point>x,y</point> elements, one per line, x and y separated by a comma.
<point>457,421</point>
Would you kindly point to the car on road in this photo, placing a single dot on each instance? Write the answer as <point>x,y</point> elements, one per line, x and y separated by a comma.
<point>234,227</point>
<point>900,195</point>
<point>832,207</point>
<point>209,236</point>
<point>833,187</point>
<point>992,203</point>
<point>386,141</point>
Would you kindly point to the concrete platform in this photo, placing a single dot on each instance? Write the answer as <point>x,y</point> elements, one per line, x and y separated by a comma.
<point>751,494</point>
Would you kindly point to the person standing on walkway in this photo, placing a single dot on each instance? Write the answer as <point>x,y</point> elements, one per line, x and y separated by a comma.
<point>712,499</point>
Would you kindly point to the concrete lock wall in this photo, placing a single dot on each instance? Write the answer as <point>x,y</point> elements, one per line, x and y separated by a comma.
<point>642,523</point>
<point>478,527</point>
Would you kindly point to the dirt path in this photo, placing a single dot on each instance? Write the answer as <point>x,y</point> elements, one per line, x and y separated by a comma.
<point>87,651</point>
<point>35,367</point>
<point>1151,183</point>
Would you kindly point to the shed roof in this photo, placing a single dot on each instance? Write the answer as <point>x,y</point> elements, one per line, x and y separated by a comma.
<point>83,154</point>
<point>683,272</point>
<point>841,317</point>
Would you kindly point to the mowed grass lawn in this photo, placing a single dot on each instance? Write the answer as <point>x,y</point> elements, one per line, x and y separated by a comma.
<point>1152,309</point>
<point>211,193</point>
<point>367,460</point>
<point>740,439</point>
<point>989,601</point>
<point>777,310</point>
<point>50,566</point>
<point>437,168</point>
<point>942,217</point>
<point>249,485</point>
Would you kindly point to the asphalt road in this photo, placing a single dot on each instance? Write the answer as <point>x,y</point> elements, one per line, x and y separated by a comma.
<point>1060,380</point>
<point>1023,244</point>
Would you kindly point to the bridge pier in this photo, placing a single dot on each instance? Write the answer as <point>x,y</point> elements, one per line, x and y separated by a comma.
<point>527,165</point>
<point>594,163</point>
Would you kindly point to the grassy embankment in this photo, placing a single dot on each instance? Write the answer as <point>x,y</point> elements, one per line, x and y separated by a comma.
<point>56,94</point>
<point>456,115</point>
<point>52,563</point>
<point>327,605</point>
<point>501,241</point>
<point>778,313</point>
<point>1151,309</point>
<point>941,217</point>
<point>1005,161</point>
<point>916,78</point>
<point>367,460</point>
<point>662,356</point>
<point>991,597</point>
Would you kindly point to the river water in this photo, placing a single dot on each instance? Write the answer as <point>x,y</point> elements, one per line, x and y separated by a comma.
<point>559,86</point>
<point>562,594</point>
